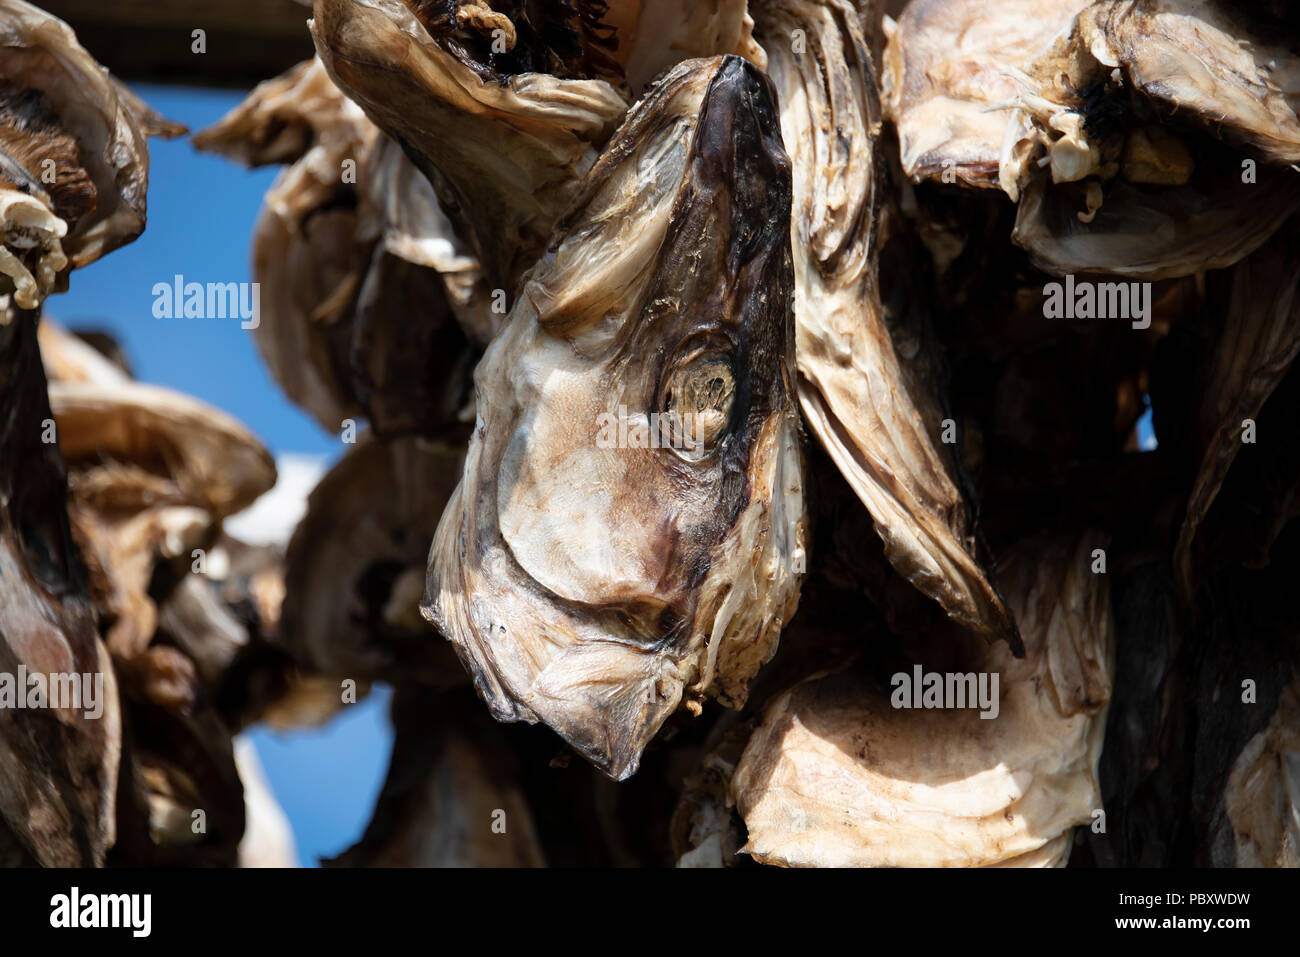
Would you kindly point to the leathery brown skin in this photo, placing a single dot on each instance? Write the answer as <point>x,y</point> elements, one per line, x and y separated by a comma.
<point>58,104</point>
<point>58,766</point>
<point>505,154</point>
<point>861,396</point>
<point>591,587</point>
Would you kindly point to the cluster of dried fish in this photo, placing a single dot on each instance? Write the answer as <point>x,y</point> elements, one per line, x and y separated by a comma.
<point>751,396</point>
<point>115,634</point>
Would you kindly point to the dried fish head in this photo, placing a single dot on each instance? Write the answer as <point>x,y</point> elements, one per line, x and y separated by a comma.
<point>152,473</point>
<point>950,785</point>
<point>354,568</point>
<point>345,263</point>
<point>949,80</point>
<point>588,577</point>
<point>287,117</point>
<point>307,256</point>
<point>505,150</point>
<point>1115,86</point>
<point>1154,139</point>
<point>74,166</point>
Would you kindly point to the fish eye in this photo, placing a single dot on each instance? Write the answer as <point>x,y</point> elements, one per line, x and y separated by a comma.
<point>696,401</point>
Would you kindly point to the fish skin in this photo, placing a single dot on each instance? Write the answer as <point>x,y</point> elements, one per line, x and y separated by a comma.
<point>58,769</point>
<point>1199,76</point>
<point>504,154</point>
<point>948,66</point>
<point>871,409</point>
<point>109,123</point>
<point>1256,345</point>
<point>593,588</point>
<point>943,787</point>
<point>370,517</point>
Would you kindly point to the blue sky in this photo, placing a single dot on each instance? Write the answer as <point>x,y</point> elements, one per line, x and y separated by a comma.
<point>201,214</point>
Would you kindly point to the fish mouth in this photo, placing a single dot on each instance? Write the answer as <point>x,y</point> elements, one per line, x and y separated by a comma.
<point>593,587</point>
<point>738,146</point>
